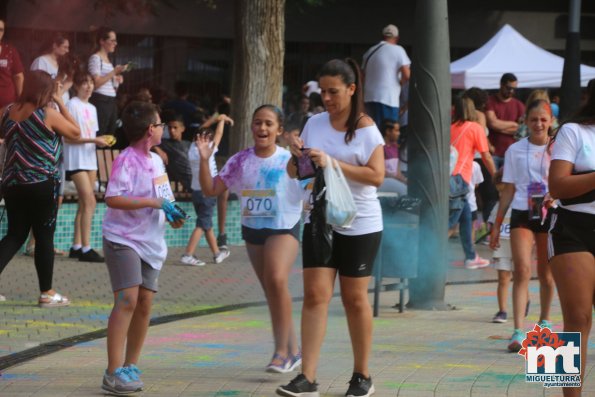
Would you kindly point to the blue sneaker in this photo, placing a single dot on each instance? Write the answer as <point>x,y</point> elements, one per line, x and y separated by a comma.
<point>295,362</point>
<point>134,372</point>
<point>516,341</point>
<point>282,365</point>
<point>545,324</point>
<point>120,382</point>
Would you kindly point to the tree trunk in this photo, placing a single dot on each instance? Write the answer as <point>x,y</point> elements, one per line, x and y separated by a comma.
<point>259,51</point>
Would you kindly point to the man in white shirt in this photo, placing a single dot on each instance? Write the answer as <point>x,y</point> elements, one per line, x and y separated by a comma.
<point>386,68</point>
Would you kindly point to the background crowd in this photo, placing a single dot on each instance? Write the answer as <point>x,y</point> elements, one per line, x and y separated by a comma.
<point>59,110</point>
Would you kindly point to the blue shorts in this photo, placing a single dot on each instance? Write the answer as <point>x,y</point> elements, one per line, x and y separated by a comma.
<point>379,112</point>
<point>204,208</point>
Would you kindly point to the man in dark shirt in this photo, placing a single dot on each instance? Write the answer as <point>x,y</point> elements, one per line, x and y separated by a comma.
<point>504,113</point>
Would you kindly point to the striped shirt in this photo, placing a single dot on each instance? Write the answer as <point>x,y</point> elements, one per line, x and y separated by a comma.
<point>33,151</point>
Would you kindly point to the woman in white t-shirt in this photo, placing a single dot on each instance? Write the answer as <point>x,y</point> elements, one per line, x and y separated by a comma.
<point>571,243</point>
<point>526,166</point>
<point>80,163</point>
<point>50,61</point>
<point>346,134</point>
<point>271,210</point>
<point>107,78</point>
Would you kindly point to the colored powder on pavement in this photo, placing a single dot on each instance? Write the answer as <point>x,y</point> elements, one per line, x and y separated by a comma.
<point>205,364</point>
<point>484,293</point>
<point>212,346</point>
<point>462,366</point>
<point>6,376</point>
<point>409,386</point>
<point>228,393</point>
<point>193,336</point>
<point>497,378</point>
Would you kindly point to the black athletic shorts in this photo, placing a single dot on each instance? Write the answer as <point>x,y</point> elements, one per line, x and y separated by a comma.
<point>352,256</point>
<point>259,236</point>
<point>521,219</point>
<point>571,232</point>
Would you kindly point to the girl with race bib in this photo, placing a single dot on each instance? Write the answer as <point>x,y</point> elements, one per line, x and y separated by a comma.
<point>526,165</point>
<point>271,209</point>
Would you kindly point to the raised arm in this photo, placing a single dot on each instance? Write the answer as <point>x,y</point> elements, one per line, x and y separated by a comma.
<point>210,186</point>
<point>222,119</point>
<point>62,121</point>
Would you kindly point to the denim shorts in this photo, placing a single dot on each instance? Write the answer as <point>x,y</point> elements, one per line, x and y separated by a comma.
<point>204,208</point>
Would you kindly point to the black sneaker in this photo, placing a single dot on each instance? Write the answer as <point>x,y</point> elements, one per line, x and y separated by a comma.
<point>222,241</point>
<point>91,256</point>
<point>299,387</point>
<point>75,254</point>
<point>360,386</point>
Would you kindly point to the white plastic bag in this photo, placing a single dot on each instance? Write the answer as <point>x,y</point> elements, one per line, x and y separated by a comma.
<point>340,206</point>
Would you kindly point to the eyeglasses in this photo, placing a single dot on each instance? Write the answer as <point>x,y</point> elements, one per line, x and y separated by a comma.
<point>112,41</point>
<point>509,88</point>
<point>162,125</point>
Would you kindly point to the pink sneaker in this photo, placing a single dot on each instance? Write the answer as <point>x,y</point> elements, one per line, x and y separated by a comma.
<point>476,263</point>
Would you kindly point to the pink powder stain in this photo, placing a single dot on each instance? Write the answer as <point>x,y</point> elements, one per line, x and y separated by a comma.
<point>484,293</point>
<point>152,341</point>
<point>457,264</point>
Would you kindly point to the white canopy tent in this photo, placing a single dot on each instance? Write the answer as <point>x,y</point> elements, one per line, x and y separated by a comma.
<point>509,51</point>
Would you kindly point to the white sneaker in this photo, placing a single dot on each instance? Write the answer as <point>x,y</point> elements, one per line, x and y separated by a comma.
<point>221,256</point>
<point>191,260</point>
<point>476,263</point>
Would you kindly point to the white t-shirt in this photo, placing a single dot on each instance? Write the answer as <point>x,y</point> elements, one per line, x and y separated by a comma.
<point>382,73</point>
<point>318,133</point>
<point>525,163</point>
<point>97,67</point>
<point>194,159</point>
<point>43,63</point>
<point>82,156</point>
<point>143,230</point>
<point>269,198</point>
<point>476,179</point>
<point>575,143</point>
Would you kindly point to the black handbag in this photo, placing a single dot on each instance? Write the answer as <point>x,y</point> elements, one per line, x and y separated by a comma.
<point>322,233</point>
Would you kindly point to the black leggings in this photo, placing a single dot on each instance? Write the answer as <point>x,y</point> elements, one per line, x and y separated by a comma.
<point>31,206</point>
<point>107,113</point>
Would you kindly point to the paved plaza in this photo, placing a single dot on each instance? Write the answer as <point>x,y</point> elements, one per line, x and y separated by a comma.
<point>212,336</point>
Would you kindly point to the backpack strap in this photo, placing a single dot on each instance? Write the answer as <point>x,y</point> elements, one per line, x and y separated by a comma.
<point>378,46</point>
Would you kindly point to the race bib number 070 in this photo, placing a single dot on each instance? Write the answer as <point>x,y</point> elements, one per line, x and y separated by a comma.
<point>259,203</point>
